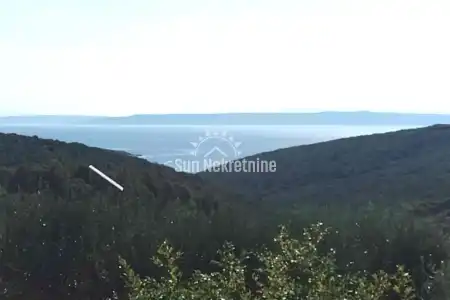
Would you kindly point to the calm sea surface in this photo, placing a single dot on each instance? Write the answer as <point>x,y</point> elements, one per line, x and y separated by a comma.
<point>167,143</point>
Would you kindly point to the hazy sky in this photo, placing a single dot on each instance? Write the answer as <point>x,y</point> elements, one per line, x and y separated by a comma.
<point>114,57</point>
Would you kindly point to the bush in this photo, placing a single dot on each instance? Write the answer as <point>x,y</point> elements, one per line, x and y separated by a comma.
<point>295,270</point>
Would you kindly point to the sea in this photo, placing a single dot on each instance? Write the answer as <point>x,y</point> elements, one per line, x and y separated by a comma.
<point>166,144</point>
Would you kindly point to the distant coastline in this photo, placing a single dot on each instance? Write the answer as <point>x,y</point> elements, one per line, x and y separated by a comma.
<point>321,118</point>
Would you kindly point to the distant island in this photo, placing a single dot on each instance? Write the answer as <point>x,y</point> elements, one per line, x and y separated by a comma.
<point>319,118</point>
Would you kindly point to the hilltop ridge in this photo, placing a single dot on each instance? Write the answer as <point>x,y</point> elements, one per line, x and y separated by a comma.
<point>405,165</point>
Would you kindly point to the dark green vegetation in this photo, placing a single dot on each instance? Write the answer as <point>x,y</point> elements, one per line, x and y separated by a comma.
<point>62,228</point>
<point>400,166</point>
<point>296,269</point>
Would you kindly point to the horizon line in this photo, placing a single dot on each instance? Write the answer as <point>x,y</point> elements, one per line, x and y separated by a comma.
<point>224,113</point>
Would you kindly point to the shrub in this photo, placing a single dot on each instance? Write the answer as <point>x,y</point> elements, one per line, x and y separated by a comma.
<point>295,270</point>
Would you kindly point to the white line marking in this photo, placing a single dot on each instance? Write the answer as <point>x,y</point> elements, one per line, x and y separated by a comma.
<point>106,177</point>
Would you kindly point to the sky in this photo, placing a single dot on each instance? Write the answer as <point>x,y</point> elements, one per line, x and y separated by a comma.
<point>111,57</point>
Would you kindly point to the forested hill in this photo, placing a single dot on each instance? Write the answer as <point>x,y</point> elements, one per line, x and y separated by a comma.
<point>62,227</point>
<point>29,164</point>
<point>403,165</point>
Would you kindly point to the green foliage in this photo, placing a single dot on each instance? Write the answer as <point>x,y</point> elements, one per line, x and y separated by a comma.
<point>295,271</point>
<point>62,227</point>
<point>394,167</point>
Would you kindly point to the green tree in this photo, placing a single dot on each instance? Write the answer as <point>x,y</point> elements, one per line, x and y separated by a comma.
<point>295,271</point>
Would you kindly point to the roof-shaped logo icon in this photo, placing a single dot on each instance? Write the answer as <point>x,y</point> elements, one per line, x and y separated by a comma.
<point>216,145</point>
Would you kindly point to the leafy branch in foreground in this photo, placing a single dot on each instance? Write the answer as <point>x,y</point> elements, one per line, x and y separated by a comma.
<point>295,270</point>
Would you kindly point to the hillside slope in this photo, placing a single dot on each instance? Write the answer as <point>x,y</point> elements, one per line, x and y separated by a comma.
<point>406,165</point>
<point>62,226</point>
<point>28,164</point>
